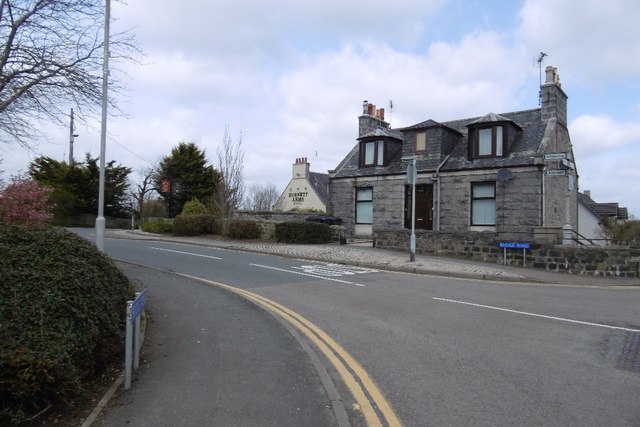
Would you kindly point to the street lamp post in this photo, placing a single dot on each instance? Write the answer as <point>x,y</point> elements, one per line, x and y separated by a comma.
<point>100,221</point>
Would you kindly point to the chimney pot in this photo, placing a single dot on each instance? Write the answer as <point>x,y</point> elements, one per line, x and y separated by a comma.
<point>371,109</point>
<point>551,75</point>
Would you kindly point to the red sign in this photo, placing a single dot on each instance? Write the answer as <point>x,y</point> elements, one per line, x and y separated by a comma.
<point>165,186</point>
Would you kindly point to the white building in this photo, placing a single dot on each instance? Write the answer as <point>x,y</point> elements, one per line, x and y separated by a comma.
<point>306,190</point>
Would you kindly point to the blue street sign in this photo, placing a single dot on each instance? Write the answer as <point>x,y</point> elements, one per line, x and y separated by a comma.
<point>138,304</point>
<point>515,245</point>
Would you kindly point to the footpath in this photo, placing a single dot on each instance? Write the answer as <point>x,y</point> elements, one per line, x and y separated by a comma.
<point>212,358</point>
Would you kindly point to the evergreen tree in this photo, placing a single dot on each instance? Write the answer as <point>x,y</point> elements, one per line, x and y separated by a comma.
<point>185,175</point>
<point>75,187</point>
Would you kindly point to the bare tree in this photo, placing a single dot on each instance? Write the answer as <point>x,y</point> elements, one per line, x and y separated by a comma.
<point>262,197</point>
<point>142,190</point>
<point>230,192</point>
<point>51,58</point>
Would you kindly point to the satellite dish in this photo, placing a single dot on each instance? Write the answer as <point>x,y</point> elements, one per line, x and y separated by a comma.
<point>505,175</point>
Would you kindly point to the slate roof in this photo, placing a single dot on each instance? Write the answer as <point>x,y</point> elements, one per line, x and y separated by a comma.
<point>384,133</point>
<point>521,152</point>
<point>603,209</point>
<point>320,182</point>
<point>526,145</point>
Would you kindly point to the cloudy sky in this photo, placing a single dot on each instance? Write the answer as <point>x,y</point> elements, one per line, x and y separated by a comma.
<point>291,75</point>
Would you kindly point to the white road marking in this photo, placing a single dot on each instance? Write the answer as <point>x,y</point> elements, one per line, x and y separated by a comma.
<point>184,253</point>
<point>309,275</point>
<point>562,319</point>
<point>334,270</point>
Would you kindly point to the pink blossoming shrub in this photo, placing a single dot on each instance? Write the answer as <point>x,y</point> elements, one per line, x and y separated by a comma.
<point>24,201</point>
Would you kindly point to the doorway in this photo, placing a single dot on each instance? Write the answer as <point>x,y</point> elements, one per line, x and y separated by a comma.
<point>424,206</point>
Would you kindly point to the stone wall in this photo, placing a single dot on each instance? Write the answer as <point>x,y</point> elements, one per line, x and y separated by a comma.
<point>483,246</point>
<point>267,220</point>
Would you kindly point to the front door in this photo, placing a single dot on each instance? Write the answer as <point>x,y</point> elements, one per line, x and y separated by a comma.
<point>424,207</point>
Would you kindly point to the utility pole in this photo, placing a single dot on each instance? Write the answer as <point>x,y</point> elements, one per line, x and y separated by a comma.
<point>72,135</point>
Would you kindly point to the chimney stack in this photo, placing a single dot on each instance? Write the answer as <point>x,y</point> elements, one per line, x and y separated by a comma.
<point>553,100</point>
<point>301,168</point>
<point>371,119</point>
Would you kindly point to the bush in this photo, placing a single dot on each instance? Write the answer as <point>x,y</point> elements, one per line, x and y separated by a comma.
<point>62,308</point>
<point>303,232</point>
<point>158,227</point>
<point>25,201</point>
<point>243,229</point>
<point>193,225</point>
<point>194,207</point>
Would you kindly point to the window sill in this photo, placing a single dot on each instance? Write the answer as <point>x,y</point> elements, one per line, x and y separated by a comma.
<point>482,228</point>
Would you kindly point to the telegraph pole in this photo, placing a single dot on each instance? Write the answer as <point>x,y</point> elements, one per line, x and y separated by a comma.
<point>72,135</point>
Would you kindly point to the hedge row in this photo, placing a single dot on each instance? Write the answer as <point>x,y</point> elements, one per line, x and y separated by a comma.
<point>62,309</point>
<point>303,232</point>
<point>158,227</point>
<point>243,229</point>
<point>193,225</point>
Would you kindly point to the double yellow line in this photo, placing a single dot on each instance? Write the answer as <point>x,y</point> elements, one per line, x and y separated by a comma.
<point>356,379</point>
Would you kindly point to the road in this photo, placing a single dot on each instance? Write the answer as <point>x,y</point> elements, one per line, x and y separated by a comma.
<point>445,351</point>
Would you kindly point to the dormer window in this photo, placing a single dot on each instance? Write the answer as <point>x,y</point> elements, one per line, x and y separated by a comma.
<point>491,136</point>
<point>372,153</point>
<point>378,148</point>
<point>488,142</point>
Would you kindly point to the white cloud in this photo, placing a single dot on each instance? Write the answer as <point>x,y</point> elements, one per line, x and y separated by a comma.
<point>590,40</point>
<point>592,135</point>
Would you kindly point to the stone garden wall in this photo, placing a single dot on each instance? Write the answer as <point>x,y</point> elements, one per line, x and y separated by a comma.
<point>483,246</point>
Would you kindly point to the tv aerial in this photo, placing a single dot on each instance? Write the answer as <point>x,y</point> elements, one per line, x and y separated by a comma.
<point>540,59</point>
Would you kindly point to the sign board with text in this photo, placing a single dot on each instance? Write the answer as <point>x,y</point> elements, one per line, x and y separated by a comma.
<point>554,156</point>
<point>514,245</point>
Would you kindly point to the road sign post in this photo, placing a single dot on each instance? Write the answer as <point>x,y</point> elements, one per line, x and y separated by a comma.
<point>411,180</point>
<point>515,245</point>
<point>132,335</point>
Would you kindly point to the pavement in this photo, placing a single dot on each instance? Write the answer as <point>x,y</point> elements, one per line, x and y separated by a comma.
<point>229,369</point>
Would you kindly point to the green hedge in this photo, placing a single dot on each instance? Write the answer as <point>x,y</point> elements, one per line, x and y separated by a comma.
<point>62,308</point>
<point>303,232</point>
<point>193,225</point>
<point>158,227</point>
<point>243,229</point>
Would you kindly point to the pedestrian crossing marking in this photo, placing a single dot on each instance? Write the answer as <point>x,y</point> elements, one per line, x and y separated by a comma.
<point>333,270</point>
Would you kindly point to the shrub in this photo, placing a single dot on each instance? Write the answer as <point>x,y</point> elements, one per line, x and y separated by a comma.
<point>243,229</point>
<point>193,225</point>
<point>62,308</point>
<point>25,201</point>
<point>158,227</point>
<point>303,232</point>
<point>194,207</point>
